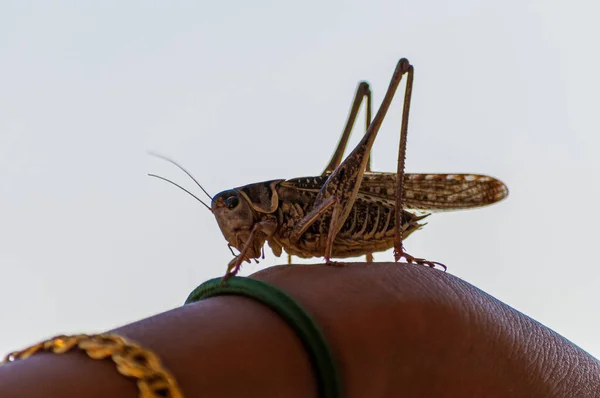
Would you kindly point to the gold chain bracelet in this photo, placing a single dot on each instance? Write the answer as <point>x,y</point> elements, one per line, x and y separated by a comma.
<point>153,379</point>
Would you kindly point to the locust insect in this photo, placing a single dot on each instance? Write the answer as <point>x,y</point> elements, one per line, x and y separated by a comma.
<point>349,210</point>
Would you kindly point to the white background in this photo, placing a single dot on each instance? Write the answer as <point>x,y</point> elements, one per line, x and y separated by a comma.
<point>240,92</point>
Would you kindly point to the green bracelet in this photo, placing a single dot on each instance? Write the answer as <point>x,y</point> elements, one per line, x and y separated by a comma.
<point>328,381</point>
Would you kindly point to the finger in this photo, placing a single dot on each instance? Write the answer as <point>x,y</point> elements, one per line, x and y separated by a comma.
<point>410,329</point>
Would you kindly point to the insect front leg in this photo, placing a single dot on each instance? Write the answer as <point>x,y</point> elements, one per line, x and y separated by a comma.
<point>264,227</point>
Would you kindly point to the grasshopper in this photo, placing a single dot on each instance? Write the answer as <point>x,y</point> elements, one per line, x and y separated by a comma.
<point>348,210</point>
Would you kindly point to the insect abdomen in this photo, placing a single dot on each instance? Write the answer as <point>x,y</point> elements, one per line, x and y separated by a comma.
<point>369,228</point>
<point>368,221</point>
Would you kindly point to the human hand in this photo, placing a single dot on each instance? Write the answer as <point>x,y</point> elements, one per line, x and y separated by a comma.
<point>394,329</point>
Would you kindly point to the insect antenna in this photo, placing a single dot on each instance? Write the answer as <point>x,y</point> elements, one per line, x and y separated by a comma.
<point>182,169</point>
<point>182,188</point>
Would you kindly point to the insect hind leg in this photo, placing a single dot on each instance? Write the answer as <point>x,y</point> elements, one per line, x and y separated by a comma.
<point>398,248</point>
<point>343,184</point>
<point>363,91</point>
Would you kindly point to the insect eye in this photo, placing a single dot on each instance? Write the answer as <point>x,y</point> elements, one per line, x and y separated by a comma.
<point>232,202</point>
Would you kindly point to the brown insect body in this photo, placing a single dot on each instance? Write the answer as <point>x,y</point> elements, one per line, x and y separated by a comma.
<point>348,210</point>
<point>280,205</point>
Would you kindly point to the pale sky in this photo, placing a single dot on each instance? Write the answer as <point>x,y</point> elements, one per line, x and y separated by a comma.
<point>241,92</point>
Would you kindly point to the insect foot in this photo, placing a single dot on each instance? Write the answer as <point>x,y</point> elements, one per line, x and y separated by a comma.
<point>415,260</point>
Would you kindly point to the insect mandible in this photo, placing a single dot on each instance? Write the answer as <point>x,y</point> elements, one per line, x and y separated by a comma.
<point>349,210</point>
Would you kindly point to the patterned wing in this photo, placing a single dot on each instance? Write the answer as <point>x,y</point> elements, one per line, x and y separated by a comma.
<point>428,192</point>
<point>437,192</point>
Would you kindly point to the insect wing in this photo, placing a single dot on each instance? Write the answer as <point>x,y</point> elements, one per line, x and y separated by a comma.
<point>429,192</point>
<point>437,192</point>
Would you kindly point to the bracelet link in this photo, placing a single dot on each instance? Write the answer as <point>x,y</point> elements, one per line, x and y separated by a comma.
<point>153,379</point>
